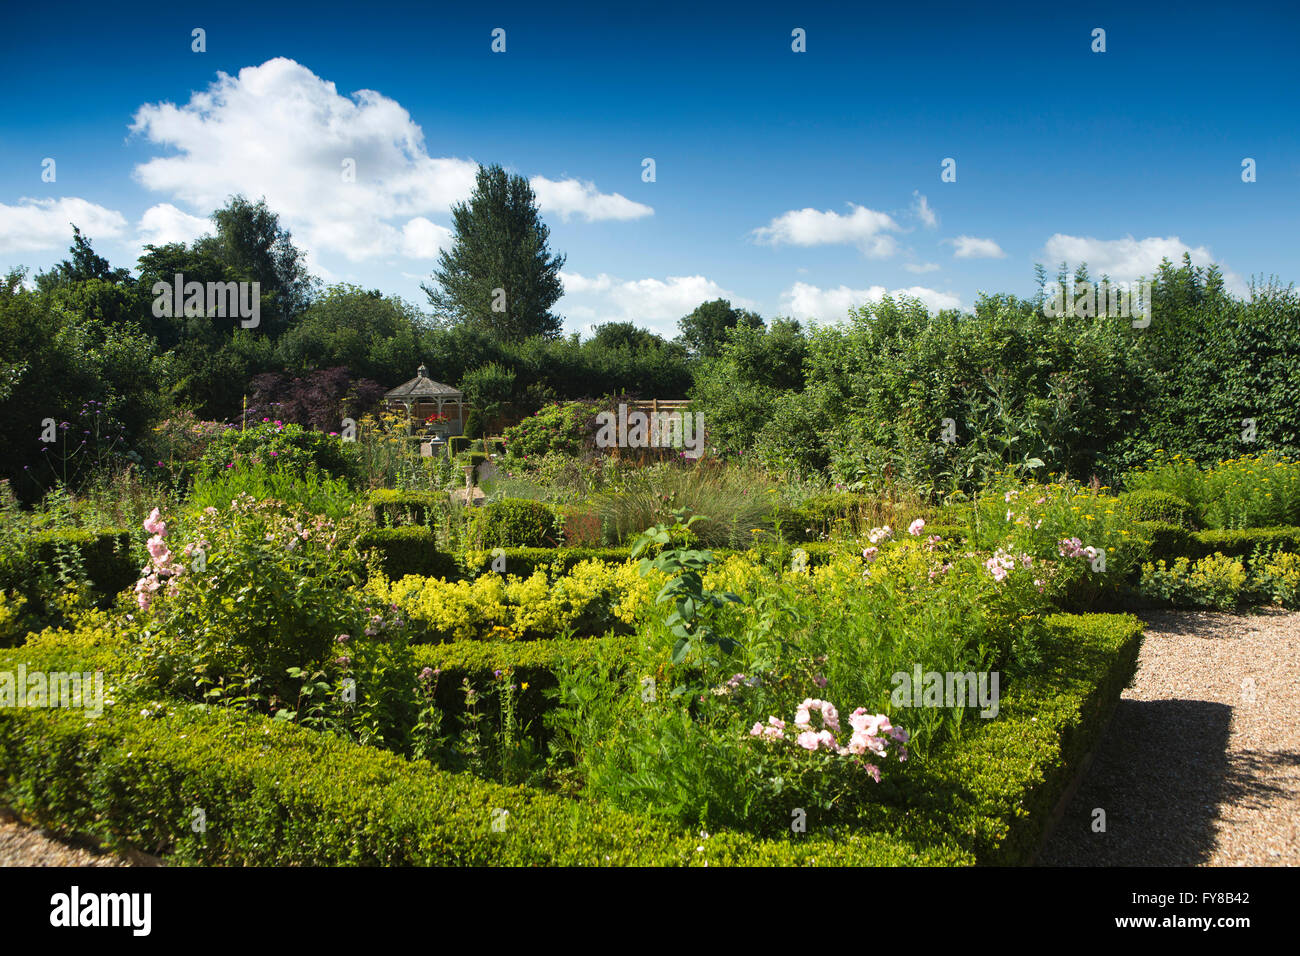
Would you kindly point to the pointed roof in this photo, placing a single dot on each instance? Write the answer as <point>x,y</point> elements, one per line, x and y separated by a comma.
<point>422,387</point>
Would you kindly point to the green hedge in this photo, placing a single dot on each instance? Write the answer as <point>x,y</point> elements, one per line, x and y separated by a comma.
<point>282,795</point>
<point>1161,540</point>
<point>394,508</point>
<point>1239,543</point>
<point>279,795</point>
<point>410,549</point>
<point>534,662</point>
<point>1152,504</point>
<point>1008,779</point>
<point>515,523</point>
<point>1165,541</point>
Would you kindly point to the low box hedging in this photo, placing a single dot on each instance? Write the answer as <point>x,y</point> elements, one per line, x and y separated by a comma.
<point>1239,543</point>
<point>1162,540</point>
<point>532,662</point>
<point>279,795</point>
<point>409,549</point>
<point>1152,504</point>
<point>1012,775</point>
<point>515,523</point>
<point>275,794</point>
<point>394,508</point>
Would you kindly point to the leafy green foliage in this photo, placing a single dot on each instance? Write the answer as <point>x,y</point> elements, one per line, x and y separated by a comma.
<point>1151,504</point>
<point>688,621</point>
<point>287,448</point>
<point>559,428</point>
<point>705,330</point>
<point>408,549</point>
<point>514,523</point>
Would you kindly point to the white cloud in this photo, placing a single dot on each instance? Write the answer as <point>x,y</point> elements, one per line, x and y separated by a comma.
<point>804,301</point>
<point>423,238</point>
<point>165,223</point>
<point>968,247</point>
<point>280,131</point>
<point>812,227</point>
<point>653,303</point>
<point>923,210</point>
<point>40,224</point>
<point>1127,259</point>
<point>920,267</point>
<point>572,197</point>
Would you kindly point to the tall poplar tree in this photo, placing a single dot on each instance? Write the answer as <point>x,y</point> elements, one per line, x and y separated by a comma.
<point>500,275</point>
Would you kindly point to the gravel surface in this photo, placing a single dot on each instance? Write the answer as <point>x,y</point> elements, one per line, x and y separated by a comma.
<point>21,845</point>
<point>1200,765</point>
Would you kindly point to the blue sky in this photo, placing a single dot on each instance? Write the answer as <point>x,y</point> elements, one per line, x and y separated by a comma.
<point>793,183</point>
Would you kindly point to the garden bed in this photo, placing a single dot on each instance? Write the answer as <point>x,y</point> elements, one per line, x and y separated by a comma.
<point>276,794</point>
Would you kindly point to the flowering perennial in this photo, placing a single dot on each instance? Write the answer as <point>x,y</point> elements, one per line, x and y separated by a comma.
<point>162,566</point>
<point>871,733</point>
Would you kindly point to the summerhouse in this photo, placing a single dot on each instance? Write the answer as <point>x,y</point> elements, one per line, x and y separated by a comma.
<point>435,409</point>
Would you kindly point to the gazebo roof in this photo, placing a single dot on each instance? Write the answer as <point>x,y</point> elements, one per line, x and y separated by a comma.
<point>422,387</point>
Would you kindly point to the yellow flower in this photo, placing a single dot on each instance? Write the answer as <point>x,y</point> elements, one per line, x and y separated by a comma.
<point>524,686</point>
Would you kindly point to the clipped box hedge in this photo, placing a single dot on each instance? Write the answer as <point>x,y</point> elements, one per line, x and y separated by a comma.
<point>1169,542</point>
<point>1239,543</point>
<point>409,549</point>
<point>281,795</point>
<point>394,508</point>
<point>1152,504</point>
<point>515,523</point>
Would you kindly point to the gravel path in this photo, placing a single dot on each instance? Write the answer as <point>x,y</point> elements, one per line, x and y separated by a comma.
<point>21,845</point>
<point>1200,765</point>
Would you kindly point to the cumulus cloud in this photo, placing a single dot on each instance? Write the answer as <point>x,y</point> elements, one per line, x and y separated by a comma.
<point>804,301</point>
<point>349,174</point>
<point>165,223</point>
<point>923,211</point>
<point>570,197</point>
<point>968,247</point>
<point>863,227</point>
<point>35,225</point>
<point>424,239</point>
<point>1127,259</point>
<point>653,303</point>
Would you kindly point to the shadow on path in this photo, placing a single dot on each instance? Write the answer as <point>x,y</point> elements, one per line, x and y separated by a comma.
<point>1160,773</point>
